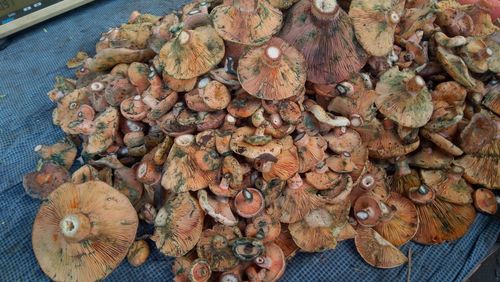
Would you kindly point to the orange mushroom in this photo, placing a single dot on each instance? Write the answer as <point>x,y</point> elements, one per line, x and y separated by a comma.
<point>376,251</point>
<point>389,145</point>
<point>62,153</point>
<point>82,232</point>
<point>323,32</point>
<point>311,150</point>
<point>39,184</point>
<point>272,264</point>
<point>485,201</point>
<point>275,71</point>
<point>217,207</point>
<point>449,185</point>
<point>138,253</point>
<point>214,246</point>
<point>248,202</point>
<point>264,227</point>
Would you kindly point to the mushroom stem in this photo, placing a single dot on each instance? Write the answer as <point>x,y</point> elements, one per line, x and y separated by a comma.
<point>402,167</point>
<point>362,215</point>
<point>394,18</point>
<point>367,182</point>
<point>184,37</point>
<point>272,56</point>
<point>344,88</point>
<point>324,9</point>
<point>295,182</point>
<point>75,227</point>
<point>245,5</point>
<point>415,85</point>
<point>224,183</point>
<point>247,195</point>
<point>264,262</point>
<point>356,120</point>
<point>97,86</point>
<point>326,118</point>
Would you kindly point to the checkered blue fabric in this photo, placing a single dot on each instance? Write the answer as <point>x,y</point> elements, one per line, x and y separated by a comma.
<point>27,70</point>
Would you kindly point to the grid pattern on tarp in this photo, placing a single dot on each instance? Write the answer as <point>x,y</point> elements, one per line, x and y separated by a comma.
<point>27,70</point>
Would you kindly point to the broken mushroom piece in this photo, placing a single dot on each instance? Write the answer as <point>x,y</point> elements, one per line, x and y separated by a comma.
<point>39,184</point>
<point>178,225</point>
<point>389,145</point>
<point>403,97</point>
<point>376,251</point>
<point>82,232</point>
<point>485,201</point>
<point>275,71</point>
<point>246,22</point>
<point>217,207</point>
<point>323,32</point>
<point>62,153</point>
<point>214,246</point>
<point>191,52</point>
<point>375,23</point>
<point>248,202</point>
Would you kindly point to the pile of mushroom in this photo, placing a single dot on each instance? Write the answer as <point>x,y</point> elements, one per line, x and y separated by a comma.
<point>245,131</point>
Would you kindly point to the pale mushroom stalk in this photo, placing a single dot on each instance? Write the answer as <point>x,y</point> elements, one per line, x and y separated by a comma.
<point>326,118</point>
<point>75,227</point>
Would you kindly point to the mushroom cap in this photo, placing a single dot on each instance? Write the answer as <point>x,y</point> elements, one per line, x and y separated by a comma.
<point>274,260</point>
<point>138,253</point>
<point>192,52</point>
<point>62,153</point>
<point>343,140</point>
<point>266,225</point>
<point>274,71</point>
<point>327,40</point>
<point>65,114</point>
<point>218,208</point>
<point>449,185</point>
<point>241,147</point>
<point>492,98</point>
<point>181,172</point>
<point>246,22</point>
<point>39,184</point>
<point>480,131</point>
<point>200,271</point>
<point>389,145</point>
<point>214,246</point>
<point>493,42</point>
<point>400,103</point>
<point>403,222</point>
<point>282,4</point>
<point>448,99</point>
<point>318,230</point>
<point>286,166</point>
<point>455,67</point>
<point>360,102</point>
<point>376,251</point>
<point>106,127</point>
<point>441,221</point>
<point>323,180</point>
<point>294,204</point>
<point>111,222</point>
<point>485,201</point>
<point>375,23</point>
<point>311,151</point>
<point>367,210</point>
<point>249,202</point>
<point>179,85</point>
<point>178,225</point>
<point>215,95</point>
<point>430,157</point>
<point>483,168</point>
<point>441,142</point>
<point>476,55</point>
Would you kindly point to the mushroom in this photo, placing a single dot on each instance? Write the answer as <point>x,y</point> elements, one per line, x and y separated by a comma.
<point>214,246</point>
<point>217,207</point>
<point>62,153</point>
<point>389,145</point>
<point>430,157</point>
<point>246,22</point>
<point>106,126</point>
<point>371,180</point>
<point>107,58</point>
<point>181,172</point>
<point>274,71</point>
<point>191,52</point>
<point>138,253</point>
<point>485,201</point>
<point>322,178</point>
<point>368,210</point>
<point>376,251</point>
<point>248,202</point>
<point>264,226</point>
<point>493,42</point>
<point>66,113</point>
<point>343,140</point>
<point>82,232</point>
<point>476,55</point>
<point>200,271</point>
<point>311,151</point>
<point>297,200</point>
<point>492,98</point>
<point>323,117</point>
<point>178,225</point>
<point>323,32</point>
<point>85,173</point>
<point>403,97</point>
<point>375,23</point>
<point>448,101</point>
<point>318,230</point>
<point>39,184</point>
<point>455,67</point>
<point>441,142</point>
<point>401,224</point>
<point>341,163</point>
<point>449,185</point>
<point>239,144</point>
<point>272,264</point>
<point>247,249</point>
<point>243,105</point>
<point>455,22</point>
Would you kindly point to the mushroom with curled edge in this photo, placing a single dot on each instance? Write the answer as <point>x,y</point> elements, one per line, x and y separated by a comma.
<point>389,145</point>
<point>138,253</point>
<point>449,185</point>
<point>476,55</point>
<point>62,153</point>
<point>178,225</point>
<point>318,230</point>
<point>264,226</point>
<point>274,71</point>
<point>217,207</point>
<point>82,232</point>
<point>272,264</point>
<point>287,163</point>
<point>455,67</point>
<point>377,251</point>
<point>448,99</point>
<point>492,98</point>
<point>215,246</point>
<point>375,24</point>
<point>191,52</point>
<point>85,173</point>
<point>311,151</point>
<point>485,201</point>
<point>324,33</point>
<point>248,202</point>
<point>401,224</point>
<point>246,22</point>
<point>403,97</point>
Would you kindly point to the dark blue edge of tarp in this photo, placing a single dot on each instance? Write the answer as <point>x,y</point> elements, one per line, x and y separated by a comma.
<point>27,70</point>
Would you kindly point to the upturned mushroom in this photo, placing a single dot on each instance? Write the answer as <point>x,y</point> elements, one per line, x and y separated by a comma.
<point>214,246</point>
<point>389,145</point>
<point>178,225</point>
<point>217,207</point>
<point>449,185</point>
<point>324,33</point>
<point>82,232</point>
<point>271,263</point>
<point>274,71</point>
<point>248,202</point>
<point>403,97</point>
<point>246,22</point>
<point>375,23</point>
<point>376,251</point>
<point>264,226</point>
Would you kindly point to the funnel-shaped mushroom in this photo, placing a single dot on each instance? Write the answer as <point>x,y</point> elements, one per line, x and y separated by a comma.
<point>182,173</point>
<point>318,230</point>
<point>275,71</point>
<point>485,201</point>
<point>402,223</point>
<point>389,145</point>
<point>82,232</point>
<point>403,97</point>
<point>272,264</point>
<point>178,225</point>
<point>449,185</point>
<point>297,200</point>
<point>376,251</point>
<point>311,150</point>
<point>214,246</point>
<point>375,23</point>
<point>248,202</point>
<point>323,32</point>
<point>192,52</point>
<point>247,22</point>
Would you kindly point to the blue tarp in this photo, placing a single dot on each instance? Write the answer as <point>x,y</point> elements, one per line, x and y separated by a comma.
<point>27,70</point>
